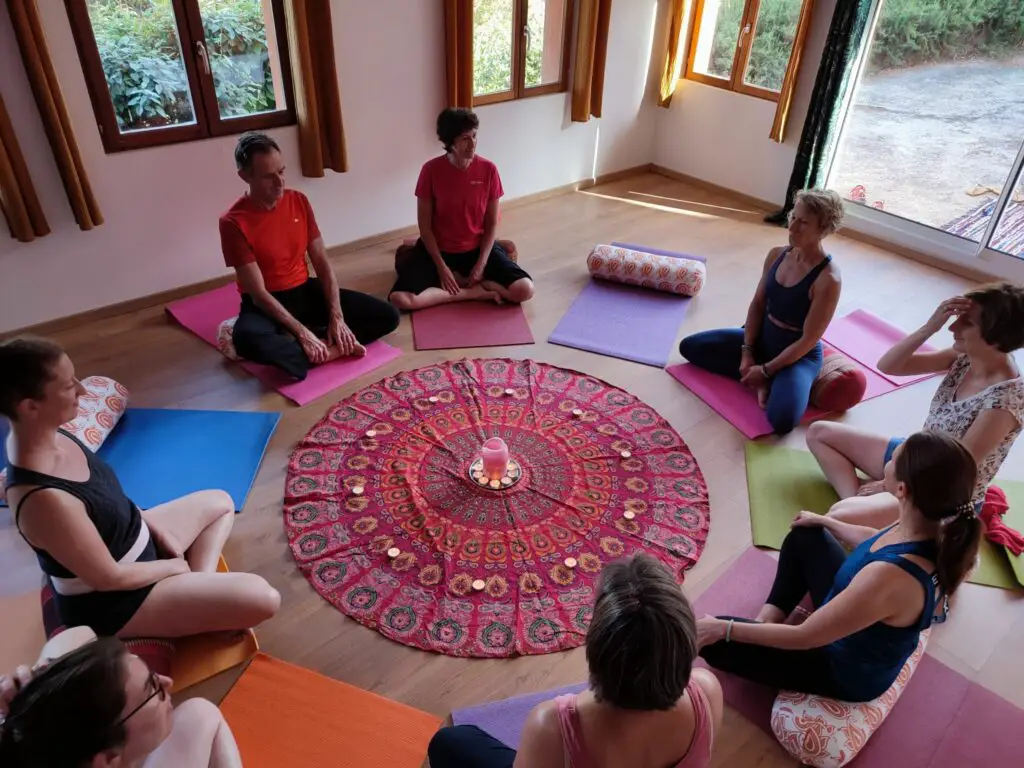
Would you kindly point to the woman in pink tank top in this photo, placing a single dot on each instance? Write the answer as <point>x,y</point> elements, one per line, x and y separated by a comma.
<point>646,706</point>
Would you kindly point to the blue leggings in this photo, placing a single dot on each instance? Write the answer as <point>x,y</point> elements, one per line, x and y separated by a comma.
<point>719,351</point>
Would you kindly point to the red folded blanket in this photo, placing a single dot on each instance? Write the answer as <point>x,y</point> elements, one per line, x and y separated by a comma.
<point>998,532</point>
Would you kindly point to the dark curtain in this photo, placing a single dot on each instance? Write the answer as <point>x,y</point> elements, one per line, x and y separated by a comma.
<point>846,39</point>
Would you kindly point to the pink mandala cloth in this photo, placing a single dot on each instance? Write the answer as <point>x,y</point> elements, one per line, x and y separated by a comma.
<point>482,572</point>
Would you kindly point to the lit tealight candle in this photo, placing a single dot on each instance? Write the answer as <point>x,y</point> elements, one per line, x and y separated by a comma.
<point>629,514</point>
<point>394,552</point>
<point>570,562</point>
<point>510,391</point>
<point>495,483</point>
<point>357,490</point>
<point>371,433</point>
<point>506,480</point>
<point>433,398</point>
<point>577,412</point>
<point>479,585</point>
<point>625,454</point>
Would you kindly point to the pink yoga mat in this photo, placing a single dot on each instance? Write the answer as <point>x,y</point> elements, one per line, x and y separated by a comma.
<point>942,720</point>
<point>204,313</point>
<point>863,337</point>
<point>470,324</point>
<point>732,401</point>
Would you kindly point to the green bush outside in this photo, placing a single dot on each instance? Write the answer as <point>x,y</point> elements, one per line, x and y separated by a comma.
<point>908,32</point>
<point>140,50</point>
<point>492,45</point>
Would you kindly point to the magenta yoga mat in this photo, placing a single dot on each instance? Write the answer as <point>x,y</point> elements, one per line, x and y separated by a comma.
<point>941,721</point>
<point>470,324</point>
<point>204,313</point>
<point>863,337</point>
<point>733,401</point>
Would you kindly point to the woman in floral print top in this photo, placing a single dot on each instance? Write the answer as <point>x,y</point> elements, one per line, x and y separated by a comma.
<point>980,401</point>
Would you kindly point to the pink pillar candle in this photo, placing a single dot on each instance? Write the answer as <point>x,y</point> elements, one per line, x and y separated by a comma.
<point>495,456</point>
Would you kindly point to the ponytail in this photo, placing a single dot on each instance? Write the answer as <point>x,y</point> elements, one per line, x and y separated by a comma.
<point>958,541</point>
<point>938,471</point>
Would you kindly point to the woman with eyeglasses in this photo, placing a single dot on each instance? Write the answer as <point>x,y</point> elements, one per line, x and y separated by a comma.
<point>778,351</point>
<point>100,706</point>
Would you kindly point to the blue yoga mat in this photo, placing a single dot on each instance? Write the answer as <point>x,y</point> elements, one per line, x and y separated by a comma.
<point>159,455</point>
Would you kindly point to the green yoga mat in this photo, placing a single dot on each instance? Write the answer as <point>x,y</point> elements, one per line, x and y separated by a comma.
<point>782,481</point>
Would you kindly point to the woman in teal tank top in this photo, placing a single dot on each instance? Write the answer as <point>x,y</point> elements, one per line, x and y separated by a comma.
<point>870,606</point>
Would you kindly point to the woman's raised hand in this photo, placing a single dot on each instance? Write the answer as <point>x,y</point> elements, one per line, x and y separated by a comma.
<point>958,305</point>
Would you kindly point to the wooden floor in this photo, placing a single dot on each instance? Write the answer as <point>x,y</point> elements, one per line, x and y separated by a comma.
<point>164,366</point>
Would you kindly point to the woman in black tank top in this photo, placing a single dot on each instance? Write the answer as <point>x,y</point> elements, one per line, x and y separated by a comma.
<point>112,566</point>
<point>778,351</point>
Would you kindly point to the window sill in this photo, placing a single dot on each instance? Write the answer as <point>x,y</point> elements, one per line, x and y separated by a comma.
<point>529,93</point>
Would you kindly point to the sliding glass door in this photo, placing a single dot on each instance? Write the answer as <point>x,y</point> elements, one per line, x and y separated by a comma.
<point>933,135</point>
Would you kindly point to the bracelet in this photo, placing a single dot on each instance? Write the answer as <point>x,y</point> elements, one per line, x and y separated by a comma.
<point>764,370</point>
<point>746,348</point>
<point>728,631</point>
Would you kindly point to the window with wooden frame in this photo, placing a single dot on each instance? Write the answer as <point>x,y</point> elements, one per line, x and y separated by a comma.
<point>748,46</point>
<point>165,71</point>
<point>531,62</point>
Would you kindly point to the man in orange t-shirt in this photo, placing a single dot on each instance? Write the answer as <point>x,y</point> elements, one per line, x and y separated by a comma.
<point>456,257</point>
<point>289,319</point>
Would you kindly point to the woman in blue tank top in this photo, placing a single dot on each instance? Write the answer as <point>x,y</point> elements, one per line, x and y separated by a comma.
<point>778,352</point>
<point>870,606</point>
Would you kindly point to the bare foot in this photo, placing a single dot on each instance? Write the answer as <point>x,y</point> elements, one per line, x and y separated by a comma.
<point>333,353</point>
<point>762,397</point>
<point>769,614</point>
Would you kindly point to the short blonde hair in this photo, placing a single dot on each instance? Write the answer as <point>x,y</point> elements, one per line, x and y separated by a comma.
<point>826,205</point>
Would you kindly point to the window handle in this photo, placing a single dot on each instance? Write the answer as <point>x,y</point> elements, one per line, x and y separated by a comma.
<point>204,57</point>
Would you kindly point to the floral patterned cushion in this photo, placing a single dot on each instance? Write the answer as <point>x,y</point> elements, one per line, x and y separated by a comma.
<point>827,733</point>
<point>661,273</point>
<point>226,339</point>
<point>99,410</point>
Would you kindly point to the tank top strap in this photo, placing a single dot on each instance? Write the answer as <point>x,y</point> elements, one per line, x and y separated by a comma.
<point>699,753</point>
<point>894,555</point>
<point>572,732</point>
<point>775,264</point>
<point>817,270</point>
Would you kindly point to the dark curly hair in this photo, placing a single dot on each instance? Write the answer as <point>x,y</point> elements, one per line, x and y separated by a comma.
<point>251,144</point>
<point>454,122</point>
<point>1002,315</point>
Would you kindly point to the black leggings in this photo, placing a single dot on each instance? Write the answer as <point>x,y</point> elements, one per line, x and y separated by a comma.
<point>808,563</point>
<point>466,746</point>
<point>259,338</point>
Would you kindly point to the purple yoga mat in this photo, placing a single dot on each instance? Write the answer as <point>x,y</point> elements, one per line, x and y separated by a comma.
<point>623,321</point>
<point>505,719</point>
<point>941,721</point>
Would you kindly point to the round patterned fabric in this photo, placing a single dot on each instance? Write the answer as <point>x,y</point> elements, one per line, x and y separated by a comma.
<point>386,521</point>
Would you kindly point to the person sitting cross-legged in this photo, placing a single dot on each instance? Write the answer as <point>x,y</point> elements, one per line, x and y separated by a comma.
<point>647,706</point>
<point>113,567</point>
<point>288,319</point>
<point>870,605</point>
<point>456,257</point>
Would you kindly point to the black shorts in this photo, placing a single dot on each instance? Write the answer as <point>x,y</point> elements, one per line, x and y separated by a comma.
<point>419,273</point>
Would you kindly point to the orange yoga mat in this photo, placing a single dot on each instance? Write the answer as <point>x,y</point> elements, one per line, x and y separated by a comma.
<point>283,715</point>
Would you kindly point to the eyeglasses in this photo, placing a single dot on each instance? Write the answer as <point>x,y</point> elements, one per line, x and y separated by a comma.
<point>157,690</point>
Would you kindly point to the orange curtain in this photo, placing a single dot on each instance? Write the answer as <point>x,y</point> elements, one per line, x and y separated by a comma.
<point>674,53</point>
<point>317,100</point>
<point>36,56</point>
<point>782,107</point>
<point>458,44</point>
<point>18,199</point>
<point>591,55</point>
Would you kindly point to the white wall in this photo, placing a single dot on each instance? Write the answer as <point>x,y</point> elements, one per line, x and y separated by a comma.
<point>161,205</point>
<point>722,137</point>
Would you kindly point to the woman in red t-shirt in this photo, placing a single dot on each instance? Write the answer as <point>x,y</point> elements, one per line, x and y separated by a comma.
<point>456,257</point>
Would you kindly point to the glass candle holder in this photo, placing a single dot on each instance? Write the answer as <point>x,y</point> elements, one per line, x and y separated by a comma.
<point>495,456</point>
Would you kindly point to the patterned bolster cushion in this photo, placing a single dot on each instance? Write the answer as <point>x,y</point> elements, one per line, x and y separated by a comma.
<point>647,270</point>
<point>226,339</point>
<point>840,384</point>
<point>99,410</point>
<point>827,733</point>
<point>404,251</point>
